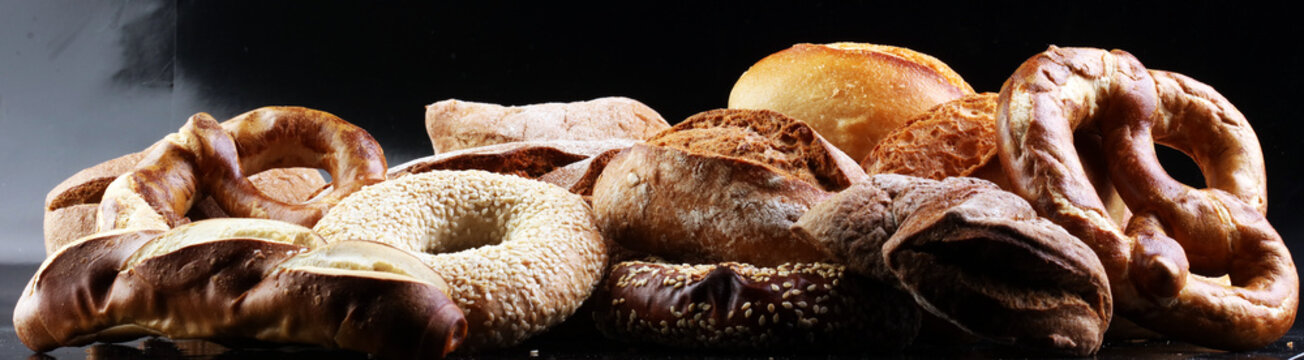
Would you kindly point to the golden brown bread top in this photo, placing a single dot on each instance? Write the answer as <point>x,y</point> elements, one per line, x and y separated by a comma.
<point>766,137</point>
<point>910,57</point>
<point>955,138</point>
<point>852,94</point>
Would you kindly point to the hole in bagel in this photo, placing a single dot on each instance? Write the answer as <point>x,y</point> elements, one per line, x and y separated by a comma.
<point>1180,167</point>
<point>325,175</point>
<point>472,223</point>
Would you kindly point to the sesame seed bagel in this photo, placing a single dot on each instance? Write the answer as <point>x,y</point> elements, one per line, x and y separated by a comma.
<point>519,255</point>
<point>734,305</point>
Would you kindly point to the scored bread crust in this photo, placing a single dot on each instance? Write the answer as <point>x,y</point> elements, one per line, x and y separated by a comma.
<point>454,124</point>
<point>685,201</point>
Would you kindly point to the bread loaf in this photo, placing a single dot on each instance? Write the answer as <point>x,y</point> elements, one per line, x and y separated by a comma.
<point>724,185</point>
<point>853,94</point>
<point>455,124</point>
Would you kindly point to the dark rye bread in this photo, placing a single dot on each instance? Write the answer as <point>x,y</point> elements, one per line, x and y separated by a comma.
<point>695,193</point>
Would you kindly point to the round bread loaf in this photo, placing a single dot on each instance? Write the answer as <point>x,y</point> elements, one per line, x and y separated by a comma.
<point>724,185</point>
<point>454,124</point>
<point>519,255</point>
<point>853,94</point>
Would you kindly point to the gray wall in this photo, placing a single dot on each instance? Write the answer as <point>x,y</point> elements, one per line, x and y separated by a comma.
<point>73,94</point>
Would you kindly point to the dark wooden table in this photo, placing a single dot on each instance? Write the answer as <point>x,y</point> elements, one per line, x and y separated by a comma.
<point>572,340</point>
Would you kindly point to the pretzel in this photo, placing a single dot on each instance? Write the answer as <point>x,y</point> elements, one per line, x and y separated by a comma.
<point>1160,266</point>
<point>278,137</point>
<point>204,156</point>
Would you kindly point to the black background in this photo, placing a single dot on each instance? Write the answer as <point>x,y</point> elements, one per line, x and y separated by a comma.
<point>377,64</point>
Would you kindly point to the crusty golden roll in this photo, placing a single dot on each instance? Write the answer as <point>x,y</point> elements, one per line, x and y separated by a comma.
<point>853,94</point>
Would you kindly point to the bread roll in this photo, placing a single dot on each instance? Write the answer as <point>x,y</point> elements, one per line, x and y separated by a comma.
<point>454,124</point>
<point>853,94</point>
